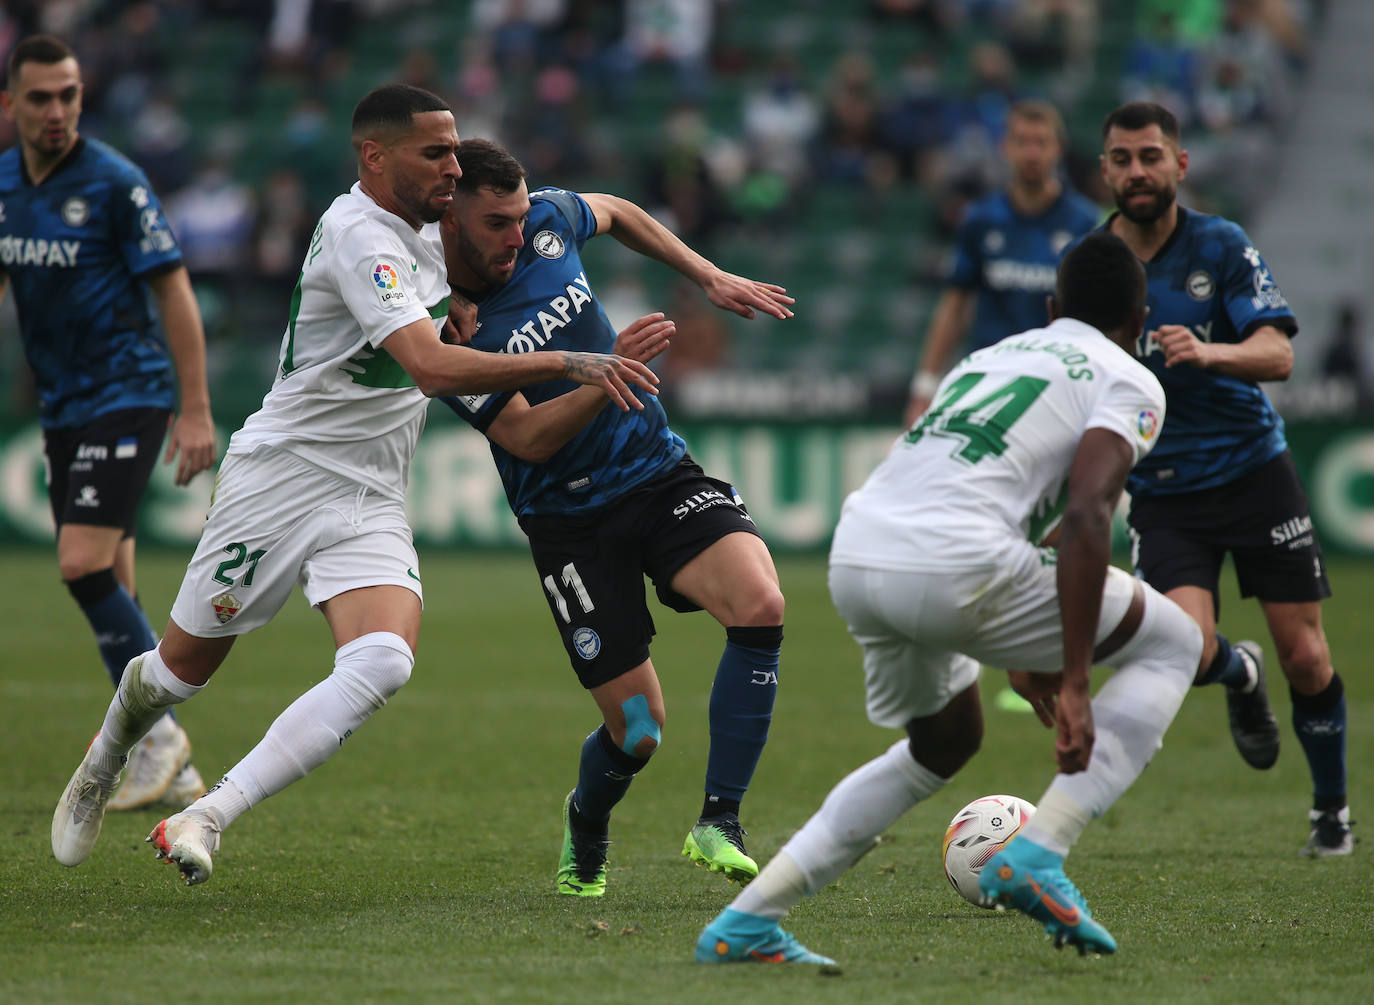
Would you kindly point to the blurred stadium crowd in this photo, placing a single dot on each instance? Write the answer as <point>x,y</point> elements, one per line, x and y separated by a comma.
<point>828,146</point>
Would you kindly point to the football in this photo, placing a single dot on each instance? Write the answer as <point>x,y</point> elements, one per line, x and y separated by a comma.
<point>977,833</point>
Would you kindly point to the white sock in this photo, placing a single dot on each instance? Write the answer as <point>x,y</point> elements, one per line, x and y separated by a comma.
<point>367,671</point>
<point>863,805</point>
<point>224,803</point>
<point>145,693</point>
<point>1130,714</point>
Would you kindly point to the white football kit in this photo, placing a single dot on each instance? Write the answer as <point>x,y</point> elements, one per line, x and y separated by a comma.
<point>312,489</point>
<point>935,563</point>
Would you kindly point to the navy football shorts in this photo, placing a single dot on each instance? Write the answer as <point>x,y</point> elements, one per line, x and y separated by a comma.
<point>592,567</point>
<point>97,472</point>
<point>1262,519</point>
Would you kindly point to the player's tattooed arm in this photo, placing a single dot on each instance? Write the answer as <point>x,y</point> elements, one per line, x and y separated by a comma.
<point>461,325</point>
<point>613,374</point>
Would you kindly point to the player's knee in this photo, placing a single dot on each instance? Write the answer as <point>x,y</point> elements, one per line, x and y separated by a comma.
<point>944,744</point>
<point>1306,663</point>
<point>1169,634</point>
<point>643,729</point>
<point>90,587</point>
<point>759,604</point>
<point>380,661</point>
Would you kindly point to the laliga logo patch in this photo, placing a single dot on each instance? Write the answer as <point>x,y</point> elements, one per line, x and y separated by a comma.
<point>387,282</point>
<point>75,211</point>
<point>587,643</point>
<point>1147,424</point>
<point>226,605</point>
<point>1201,286</point>
<point>384,276</point>
<point>547,244</point>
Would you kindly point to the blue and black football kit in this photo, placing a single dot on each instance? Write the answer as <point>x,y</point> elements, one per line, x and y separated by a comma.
<point>1009,259</point>
<point>620,500</point>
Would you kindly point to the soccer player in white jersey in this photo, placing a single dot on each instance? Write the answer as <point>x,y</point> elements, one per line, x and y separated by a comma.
<point>312,487</point>
<point>937,565</point>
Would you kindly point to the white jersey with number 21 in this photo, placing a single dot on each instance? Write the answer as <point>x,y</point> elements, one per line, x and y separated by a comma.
<point>340,401</point>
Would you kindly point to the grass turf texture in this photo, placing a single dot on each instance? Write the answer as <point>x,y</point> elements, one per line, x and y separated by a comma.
<point>418,864</point>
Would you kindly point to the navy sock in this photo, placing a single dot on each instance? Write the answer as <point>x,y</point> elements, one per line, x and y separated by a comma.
<point>1227,667</point>
<point>603,777</point>
<point>121,628</point>
<point>1319,721</point>
<point>741,709</point>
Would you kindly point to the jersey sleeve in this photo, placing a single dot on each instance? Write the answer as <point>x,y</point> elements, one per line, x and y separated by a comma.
<point>574,209</point>
<point>374,275</point>
<point>1132,406</point>
<point>1251,296</point>
<point>478,410</point>
<point>141,231</point>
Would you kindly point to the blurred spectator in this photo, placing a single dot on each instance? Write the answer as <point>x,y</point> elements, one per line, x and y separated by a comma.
<point>673,33</point>
<point>213,219</point>
<point>919,117</point>
<point>282,228</point>
<point>160,142</point>
<point>1162,66</point>
<point>780,120</point>
<point>975,152</point>
<point>1057,37</point>
<point>935,15</point>
<point>684,191</point>
<point>850,126</point>
<point>523,33</point>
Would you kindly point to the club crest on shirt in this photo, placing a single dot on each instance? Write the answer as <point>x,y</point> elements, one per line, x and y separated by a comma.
<point>547,244</point>
<point>1201,286</point>
<point>226,605</point>
<point>75,211</point>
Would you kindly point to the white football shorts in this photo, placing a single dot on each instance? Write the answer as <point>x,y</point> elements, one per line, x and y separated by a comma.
<point>276,521</point>
<point>924,633</point>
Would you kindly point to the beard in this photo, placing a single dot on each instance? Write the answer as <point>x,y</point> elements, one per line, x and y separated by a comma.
<point>480,266</point>
<point>413,198</point>
<point>1151,211</point>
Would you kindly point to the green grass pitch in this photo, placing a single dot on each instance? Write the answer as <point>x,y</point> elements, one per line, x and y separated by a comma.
<point>418,864</point>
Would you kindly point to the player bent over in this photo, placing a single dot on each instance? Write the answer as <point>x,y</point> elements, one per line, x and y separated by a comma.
<point>312,489</point>
<point>935,569</point>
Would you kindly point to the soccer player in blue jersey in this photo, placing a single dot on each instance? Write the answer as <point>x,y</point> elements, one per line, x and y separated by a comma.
<point>1006,250</point>
<point>83,242</point>
<point>616,501</point>
<point>1221,479</point>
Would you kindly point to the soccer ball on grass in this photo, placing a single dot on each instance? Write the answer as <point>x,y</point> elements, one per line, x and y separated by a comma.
<point>977,833</point>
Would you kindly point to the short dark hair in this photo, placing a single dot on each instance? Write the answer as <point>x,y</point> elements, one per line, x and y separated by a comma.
<point>1140,115</point>
<point>1100,282</point>
<point>392,108</point>
<point>488,165</point>
<point>45,49</point>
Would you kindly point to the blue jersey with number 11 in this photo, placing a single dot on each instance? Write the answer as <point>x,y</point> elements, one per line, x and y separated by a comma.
<point>548,304</point>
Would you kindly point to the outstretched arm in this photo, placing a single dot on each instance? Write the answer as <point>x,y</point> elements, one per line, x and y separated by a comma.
<point>1096,478</point>
<point>1264,354</point>
<point>637,230</point>
<point>193,430</point>
<point>537,432</point>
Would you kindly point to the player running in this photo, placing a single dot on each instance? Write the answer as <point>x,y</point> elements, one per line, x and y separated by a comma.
<point>1222,479</point>
<point>312,490</point>
<point>619,500</point>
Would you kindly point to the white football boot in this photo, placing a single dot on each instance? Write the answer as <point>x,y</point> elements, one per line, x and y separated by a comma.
<point>80,812</point>
<point>154,764</point>
<point>189,840</point>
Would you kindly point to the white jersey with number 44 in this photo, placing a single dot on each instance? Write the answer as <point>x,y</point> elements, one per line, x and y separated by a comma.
<point>990,461</point>
<point>340,401</point>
